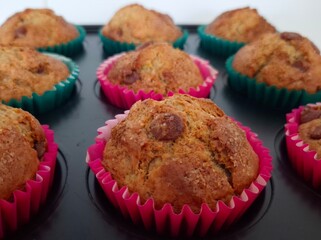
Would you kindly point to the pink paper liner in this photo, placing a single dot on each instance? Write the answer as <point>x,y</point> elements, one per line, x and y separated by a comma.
<point>27,202</point>
<point>186,222</point>
<point>303,159</point>
<point>123,97</point>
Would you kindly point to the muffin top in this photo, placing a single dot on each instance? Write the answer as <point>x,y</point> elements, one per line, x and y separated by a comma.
<point>36,28</point>
<point>310,127</point>
<point>156,67</point>
<point>181,150</point>
<point>240,25</point>
<point>22,146</point>
<point>24,71</point>
<point>285,60</point>
<point>136,24</point>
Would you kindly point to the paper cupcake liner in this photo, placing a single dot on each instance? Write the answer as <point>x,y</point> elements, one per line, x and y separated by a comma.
<point>112,47</point>
<point>123,97</point>
<point>70,48</point>
<point>27,202</point>
<point>38,104</point>
<point>304,160</point>
<point>186,222</point>
<point>267,95</point>
<point>216,45</point>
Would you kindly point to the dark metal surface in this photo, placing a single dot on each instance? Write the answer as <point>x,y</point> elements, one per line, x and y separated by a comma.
<point>77,209</point>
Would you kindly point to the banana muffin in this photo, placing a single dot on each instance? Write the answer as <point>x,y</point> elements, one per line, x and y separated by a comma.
<point>181,150</point>
<point>24,71</point>
<point>240,25</point>
<point>136,24</point>
<point>157,67</point>
<point>284,60</point>
<point>310,127</point>
<point>36,28</point>
<point>22,146</point>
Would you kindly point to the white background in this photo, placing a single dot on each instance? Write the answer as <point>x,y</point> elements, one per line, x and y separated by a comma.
<point>287,15</point>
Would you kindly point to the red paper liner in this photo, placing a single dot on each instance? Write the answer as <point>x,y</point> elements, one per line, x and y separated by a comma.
<point>123,97</point>
<point>186,221</point>
<point>303,159</point>
<point>27,202</point>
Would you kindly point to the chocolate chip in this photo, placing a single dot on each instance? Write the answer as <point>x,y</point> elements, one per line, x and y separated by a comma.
<point>166,126</point>
<point>40,69</point>
<point>316,133</point>
<point>287,36</point>
<point>20,32</point>
<point>40,147</point>
<point>131,77</point>
<point>299,65</point>
<point>144,45</point>
<point>310,113</point>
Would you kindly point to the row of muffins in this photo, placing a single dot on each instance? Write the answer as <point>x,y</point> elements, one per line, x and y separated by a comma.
<point>166,134</point>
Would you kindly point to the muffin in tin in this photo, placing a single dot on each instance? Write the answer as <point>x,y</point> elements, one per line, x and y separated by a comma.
<point>284,66</point>
<point>42,29</point>
<point>179,160</point>
<point>154,70</point>
<point>134,25</point>
<point>232,29</point>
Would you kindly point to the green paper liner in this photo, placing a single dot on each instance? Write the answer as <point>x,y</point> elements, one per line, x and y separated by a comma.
<point>267,95</point>
<point>70,48</point>
<point>216,45</point>
<point>112,47</point>
<point>38,104</point>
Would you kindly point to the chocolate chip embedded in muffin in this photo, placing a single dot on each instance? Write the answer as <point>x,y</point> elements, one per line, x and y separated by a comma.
<point>166,126</point>
<point>130,77</point>
<point>288,36</point>
<point>20,32</point>
<point>310,113</point>
<point>316,133</point>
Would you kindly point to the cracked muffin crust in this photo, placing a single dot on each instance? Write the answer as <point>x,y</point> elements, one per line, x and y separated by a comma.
<point>24,71</point>
<point>156,67</point>
<point>36,28</point>
<point>136,24</point>
<point>22,146</point>
<point>310,128</point>
<point>241,25</point>
<point>285,60</point>
<point>181,150</point>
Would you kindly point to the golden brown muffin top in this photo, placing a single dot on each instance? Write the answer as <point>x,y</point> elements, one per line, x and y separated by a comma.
<point>136,24</point>
<point>181,150</point>
<point>24,71</point>
<point>156,67</point>
<point>240,25</point>
<point>22,145</point>
<point>285,60</point>
<point>310,127</point>
<point>36,28</point>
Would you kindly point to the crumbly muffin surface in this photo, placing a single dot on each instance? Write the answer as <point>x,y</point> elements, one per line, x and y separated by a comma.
<point>136,24</point>
<point>36,28</point>
<point>22,145</point>
<point>24,71</point>
<point>156,67</point>
<point>285,60</point>
<point>181,150</point>
<point>241,25</point>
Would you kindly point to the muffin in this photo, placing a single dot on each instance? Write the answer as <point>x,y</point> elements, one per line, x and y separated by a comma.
<point>152,71</point>
<point>303,140</point>
<point>40,28</point>
<point>27,162</point>
<point>126,27</point>
<point>24,73</point>
<point>179,159</point>
<point>232,29</point>
<point>288,62</point>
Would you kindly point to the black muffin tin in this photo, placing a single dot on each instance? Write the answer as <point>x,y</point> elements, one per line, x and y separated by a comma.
<point>77,208</point>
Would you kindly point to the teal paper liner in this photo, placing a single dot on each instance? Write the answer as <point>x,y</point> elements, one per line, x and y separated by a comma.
<point>216,45</point>
<point>268,95</point>
<point>38,104</point>
<point>112,47</point>
<point>70,48</point>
